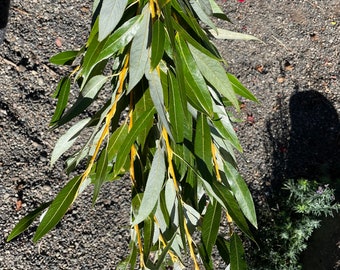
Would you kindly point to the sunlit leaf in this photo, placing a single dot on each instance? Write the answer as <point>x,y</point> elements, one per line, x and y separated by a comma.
<point>204,17</point>
<point>140,124</point>
<point>153,186</point>
<point>241,192</point>
<point>156,92</point>
<point>25,222</point>
<point>85,99</point>
<point>196,88</point>
<point>64,58</point>
<point>220,33</point>
<point>58,207</point>
<point>62,93</point>
<point>111,13</point>
<point>68,139</point>
<point>213,71</point>
<point>139,52</point>
<point>240,89</point>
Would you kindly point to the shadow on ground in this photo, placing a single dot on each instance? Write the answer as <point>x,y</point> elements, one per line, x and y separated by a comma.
<point>307,145</point>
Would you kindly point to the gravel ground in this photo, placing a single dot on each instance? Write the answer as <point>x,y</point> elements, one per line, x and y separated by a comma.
<point>293,132</point>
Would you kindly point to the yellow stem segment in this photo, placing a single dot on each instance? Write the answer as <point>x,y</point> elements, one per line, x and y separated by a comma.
<point>173,176</point>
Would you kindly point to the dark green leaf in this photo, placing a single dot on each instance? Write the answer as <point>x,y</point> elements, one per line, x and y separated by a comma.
<point>237,260</point>
<point>157,43</point>
<point>203,144</point>
<point>148,232</point>
<point>62,93</point>
<point>223,247</point>
<point>120,38</point>
<point>110,14</point>
<point>240,89</point>
<point>85,99</point>
<point>241,193</point>
<point>101,173</point>
<point>26,221</point>
<point>58,208</point>
<point>154,185</point>
<point>116,141</point>
<point>232,207</point>
<point>210,226</point>
<point>64,58</point>
<point>176,110</point>
<point>196,88</point>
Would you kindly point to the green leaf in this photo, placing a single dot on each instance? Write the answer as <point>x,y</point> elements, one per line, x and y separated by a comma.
<point>157,43</point>
<point>240,89</point>
<point>220,33</point>
<point>99,51</point>
<point>26,221</point>
<point>176,110</point>
<point>210,226</point>
<point>148,232</point>
<point>85,98</point>
<point>139,52</point>
<point>215,74</point>
<point>153,187</point>
<point>58,207</point>
<point>110,14</point>
<point>120,38</point>
<point>101,173</point>
<point>203,145</point>
<point>232,207</point>
<point>237,260</point>
<point>196,88</point>
<point>62,93</point>
<point>64,58</point>
<point>156,92</point>
<point>140,124</point>
<point>164,252</point>
<point>217,11</point>
<point>68,139</point>
<point>116,141</point>
<point>222,123</point>
<point>203,16</point>
<point>223,247</point>
<point>241,193</point>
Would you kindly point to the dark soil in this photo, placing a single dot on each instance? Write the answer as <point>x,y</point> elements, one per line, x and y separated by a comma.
<point>293,131</point>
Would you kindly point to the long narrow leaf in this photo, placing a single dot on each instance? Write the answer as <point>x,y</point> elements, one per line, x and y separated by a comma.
<point>241,193</point>
<point>26,221</point>
<point>110,15</point>
<point>237,259</point>
<point>210,226</point>
<point>62,93</point>
<point>58,207</point>
<point>140,124</point>
<point>153,187</point>
<point>139,51</point>
<point>213,71</point>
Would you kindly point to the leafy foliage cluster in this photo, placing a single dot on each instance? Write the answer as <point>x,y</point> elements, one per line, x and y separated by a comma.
<point>177,142</point>
<point>301,205</point>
